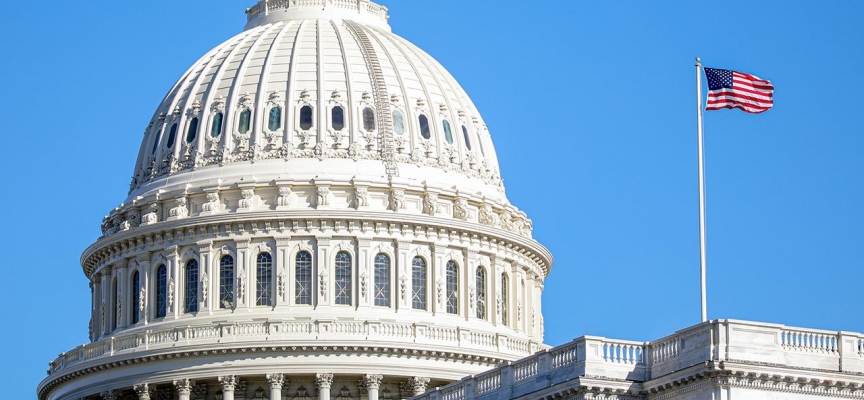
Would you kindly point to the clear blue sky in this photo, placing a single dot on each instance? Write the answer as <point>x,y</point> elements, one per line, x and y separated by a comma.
<point>591,107</point>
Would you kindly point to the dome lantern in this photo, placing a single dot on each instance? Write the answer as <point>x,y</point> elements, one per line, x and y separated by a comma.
<point>363,11</point>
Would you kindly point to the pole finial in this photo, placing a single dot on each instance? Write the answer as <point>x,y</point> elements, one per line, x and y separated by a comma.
<point>698,60</point>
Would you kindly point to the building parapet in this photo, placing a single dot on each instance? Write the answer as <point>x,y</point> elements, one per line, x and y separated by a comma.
<point>637,362</point>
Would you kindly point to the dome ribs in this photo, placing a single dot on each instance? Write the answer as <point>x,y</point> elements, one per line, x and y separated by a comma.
<point>382,98</point>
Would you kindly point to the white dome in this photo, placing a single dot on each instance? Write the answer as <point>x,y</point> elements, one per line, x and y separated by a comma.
<point>308,59</point>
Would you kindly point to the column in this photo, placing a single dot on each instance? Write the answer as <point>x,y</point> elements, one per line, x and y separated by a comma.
<point>143,294</point>
<point>205,268</point>
<point>123,309</point>
<point>436,279</point>
<point>283,270</point>
<point>401,281</point>
<point>276,383</point>
<point>323,284</point>
<point>174,308</point>
<point>104,302</point>
<point>228,383</point>
<point>184,388</point>
<point>242,274</point>
<point>143,391</point>
<point>324,382</point>
<point>418,384</point>
<point>365,273</point>
<point>96,323</point>
<point>373,383</point>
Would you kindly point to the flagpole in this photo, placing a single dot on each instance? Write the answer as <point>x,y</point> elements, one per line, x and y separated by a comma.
<point>702,257</point>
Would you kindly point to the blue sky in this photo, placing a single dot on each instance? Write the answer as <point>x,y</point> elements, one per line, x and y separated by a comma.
<point>591,107</point>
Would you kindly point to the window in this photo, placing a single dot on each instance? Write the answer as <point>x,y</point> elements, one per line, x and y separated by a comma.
<point>156,136</point>
<point>226,282</point>
<point>136,301</point>
<point>192,286</point>
<point>114,293</point>
<point>216,127</point>
<point>264,277</point>
<point>452,288</point>
<point>465,135</point>
<point>382,280</point>
<point>418,283</point>
<point>337,118</point>
<point>275,120</point>
<point>303,278</point>
<point>172,136</point>
<point>368,119</point>
<point>245,121</point>
<point>306,118</point>
<point>424,127</point>
<point>343,279</point>
<point>448,133</point>
<point>192,132</point>
<point>481,293</point>
<point>161,291</point>
<point>504,289</point>
<point>398,122</point>
<point>480,143</point>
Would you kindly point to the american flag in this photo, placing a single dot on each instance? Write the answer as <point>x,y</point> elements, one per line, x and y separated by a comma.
<point>733,89</point>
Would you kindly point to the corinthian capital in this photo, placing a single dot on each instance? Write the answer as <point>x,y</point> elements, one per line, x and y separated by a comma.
<point>324,380</point>
<point>228,382</point>
<point>276,380</point>
<point>372,381</point>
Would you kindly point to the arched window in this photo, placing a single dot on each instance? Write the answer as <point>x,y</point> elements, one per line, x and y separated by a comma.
<point>226,282</point>
<point>504,308</point>
<point>264,276</point>
<point>157,136</point>
<point>481,293</point>
<point>398,122</point>
<point>245,121</point>
<point>306,118</point>
<point>448,133</point>
<point>136,300</point>
<point>216,127</point>
<point>418,283</point>
<point>467,139</point>
<point>161,291</point>
<point>172,136</point>
<point>368,119</point>
<point>424,127</point>
<point>337,118</point>
<point>114,293</point>
<point>452,287</point>
<point>192,132</point>
<point>382,280</point>
<point>303,278</point>
<point>343,279</point>
<point>192,286</point>
<point>275,120</point>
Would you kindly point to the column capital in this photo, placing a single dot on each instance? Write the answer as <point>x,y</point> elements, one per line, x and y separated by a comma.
<point>324,380</point>
<point>184,386</point>
<point>228,382</point>
<point>143,390</point>
<point>372,381</point>
<point>276,380</point>
<point>418,384</point>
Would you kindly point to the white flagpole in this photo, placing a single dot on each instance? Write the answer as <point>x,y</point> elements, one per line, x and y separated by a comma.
<point>702,258</point>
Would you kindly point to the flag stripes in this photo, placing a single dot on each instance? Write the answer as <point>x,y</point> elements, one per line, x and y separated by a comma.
<point>733,89</point>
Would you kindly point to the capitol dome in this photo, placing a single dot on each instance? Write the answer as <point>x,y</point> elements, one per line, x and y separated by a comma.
<point>316,210</point>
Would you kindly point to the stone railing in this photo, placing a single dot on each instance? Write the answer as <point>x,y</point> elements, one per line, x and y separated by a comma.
<point>618,360</point>
<point>311,333</point>
<point>265,7</point>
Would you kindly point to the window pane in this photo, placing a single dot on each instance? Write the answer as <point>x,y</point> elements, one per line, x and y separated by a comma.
<point>264,268</point>
<point>343,279</point>
<point>172,136</point>
<point>275,120</point>
<point>448,134</point>
<point>226,282</point>
<point>368,119</point>
<point>306,118</point>
<point>382,280</point>
<point>452,288</point>
<point>504,292</point>
<point>161,291</point>
<point>193,130</point>
<point>136,300</point>
<point>338,118</point>
<point>481,293</point>
<point>418,283</point>
<point>303,279</point>
<point>245,121</point>
<point>467,139</point>
<point>192,286</point>
<point>216,129</point>
<point>158,135</point>
<point>424,127</point>
<point>398,122</point>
